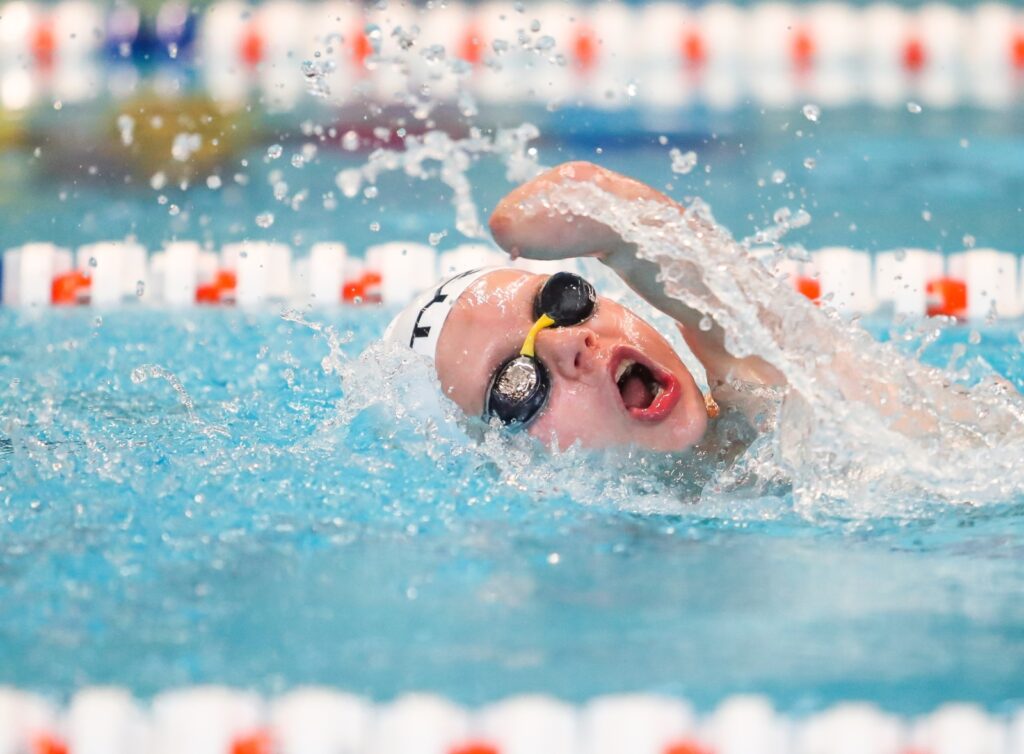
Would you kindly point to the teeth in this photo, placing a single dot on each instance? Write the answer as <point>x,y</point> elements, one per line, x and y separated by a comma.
<point>621,369</point>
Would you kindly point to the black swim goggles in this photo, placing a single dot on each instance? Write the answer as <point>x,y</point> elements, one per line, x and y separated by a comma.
<point>520,387</point>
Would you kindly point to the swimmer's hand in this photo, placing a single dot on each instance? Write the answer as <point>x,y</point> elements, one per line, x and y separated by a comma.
<point>524,226</point>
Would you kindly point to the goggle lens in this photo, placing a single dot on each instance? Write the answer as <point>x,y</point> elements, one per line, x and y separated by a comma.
<point>566,298</point>
<point>520,387</point>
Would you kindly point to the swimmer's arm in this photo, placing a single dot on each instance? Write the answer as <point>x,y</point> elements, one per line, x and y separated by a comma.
<point>522,230</point>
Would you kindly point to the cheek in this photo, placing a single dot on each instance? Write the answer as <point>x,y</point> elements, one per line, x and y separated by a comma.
<point>579,412</point>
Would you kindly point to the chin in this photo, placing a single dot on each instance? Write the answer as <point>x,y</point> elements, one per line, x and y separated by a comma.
<point>680,432</point>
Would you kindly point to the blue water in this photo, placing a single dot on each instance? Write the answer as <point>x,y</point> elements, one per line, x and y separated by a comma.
<point>253,543</point>
<point>876,177</point>
<point>239,532</point>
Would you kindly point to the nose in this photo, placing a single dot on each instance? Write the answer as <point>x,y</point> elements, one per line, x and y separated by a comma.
<point>572,352</point>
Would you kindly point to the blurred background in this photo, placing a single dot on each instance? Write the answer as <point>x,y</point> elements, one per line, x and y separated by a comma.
<point>891,125</point>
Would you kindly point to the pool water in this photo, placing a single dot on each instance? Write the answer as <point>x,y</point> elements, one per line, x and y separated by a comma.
<point>223,496</point>
<point>870,179</point>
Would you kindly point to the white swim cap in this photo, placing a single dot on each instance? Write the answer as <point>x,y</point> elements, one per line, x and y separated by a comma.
<point>419,325</point>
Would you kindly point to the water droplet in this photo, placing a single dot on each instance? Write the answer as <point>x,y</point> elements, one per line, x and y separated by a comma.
<point>812,112</point>
<point>375,226</point>
<point>370,192</point>
<point>93,262</point>
<point>140,288</point>
<point>349,181</point>
<point>800,218</point>
<point>913,107</point>
<point>213,182</point>
<point>97,321</point>
<point>969,241</point>
<point>926,215</point>
<point>126,125</point>
<point>974,338</point>
<point>350,141</point>
<point>158,181</point>
<point>554,558</point>
<point>682,163</point>
<point>274,151</point>
<point>705,323</point>
<point>185,145</point>
<point>778,176</point>
<point>810,163</point>
<point>265,219</point>
<point>297,161</point>
<point>57,104</point>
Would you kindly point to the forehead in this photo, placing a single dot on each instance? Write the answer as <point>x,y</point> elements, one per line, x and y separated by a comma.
<point>487,323</point>
<point>493,294</point>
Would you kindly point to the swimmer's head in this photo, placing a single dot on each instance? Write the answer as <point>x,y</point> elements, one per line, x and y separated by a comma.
<point>596,374</point>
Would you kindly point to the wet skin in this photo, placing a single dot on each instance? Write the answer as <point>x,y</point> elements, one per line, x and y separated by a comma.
<point>487,326</point>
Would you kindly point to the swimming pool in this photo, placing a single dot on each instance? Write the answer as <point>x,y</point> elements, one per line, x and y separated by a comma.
<point>220,495</point>
<point>151,544</point>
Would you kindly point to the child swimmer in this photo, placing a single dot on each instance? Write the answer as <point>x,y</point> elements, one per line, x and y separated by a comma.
<point>547,353</point>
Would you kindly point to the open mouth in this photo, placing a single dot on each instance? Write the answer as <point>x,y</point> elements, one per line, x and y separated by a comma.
<point>646,392</point>
<point>637,384</point>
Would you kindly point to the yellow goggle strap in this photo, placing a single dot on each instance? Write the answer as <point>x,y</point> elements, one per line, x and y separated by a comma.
<point>529,344</point>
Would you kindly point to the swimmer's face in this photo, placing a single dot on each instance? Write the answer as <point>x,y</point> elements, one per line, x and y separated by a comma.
<point>614,379</point>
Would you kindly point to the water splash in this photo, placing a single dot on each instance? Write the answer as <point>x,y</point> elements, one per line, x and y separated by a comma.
<point>435,154</point>
<point>145,372</point>
<point>861,424</point>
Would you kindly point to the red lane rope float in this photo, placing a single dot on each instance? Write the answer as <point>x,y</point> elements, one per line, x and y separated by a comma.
<point>219,290</point>
<point>809,287</point>
<point>1017,51</point>
<point>471,48</point>
<point>915,56</point>
<point>361,46</point>
<point>70,288</point>
<point>44,44</point>
<point>475,747</point>
<point>363,290</point>
<point>803,49</point>
<point>46,743</point>
<point>687,747</point>
<point>250,49</point>
<point>585,48</point>
<point>693,49</point>
<point>946,297</point>
<point>257,742</point>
